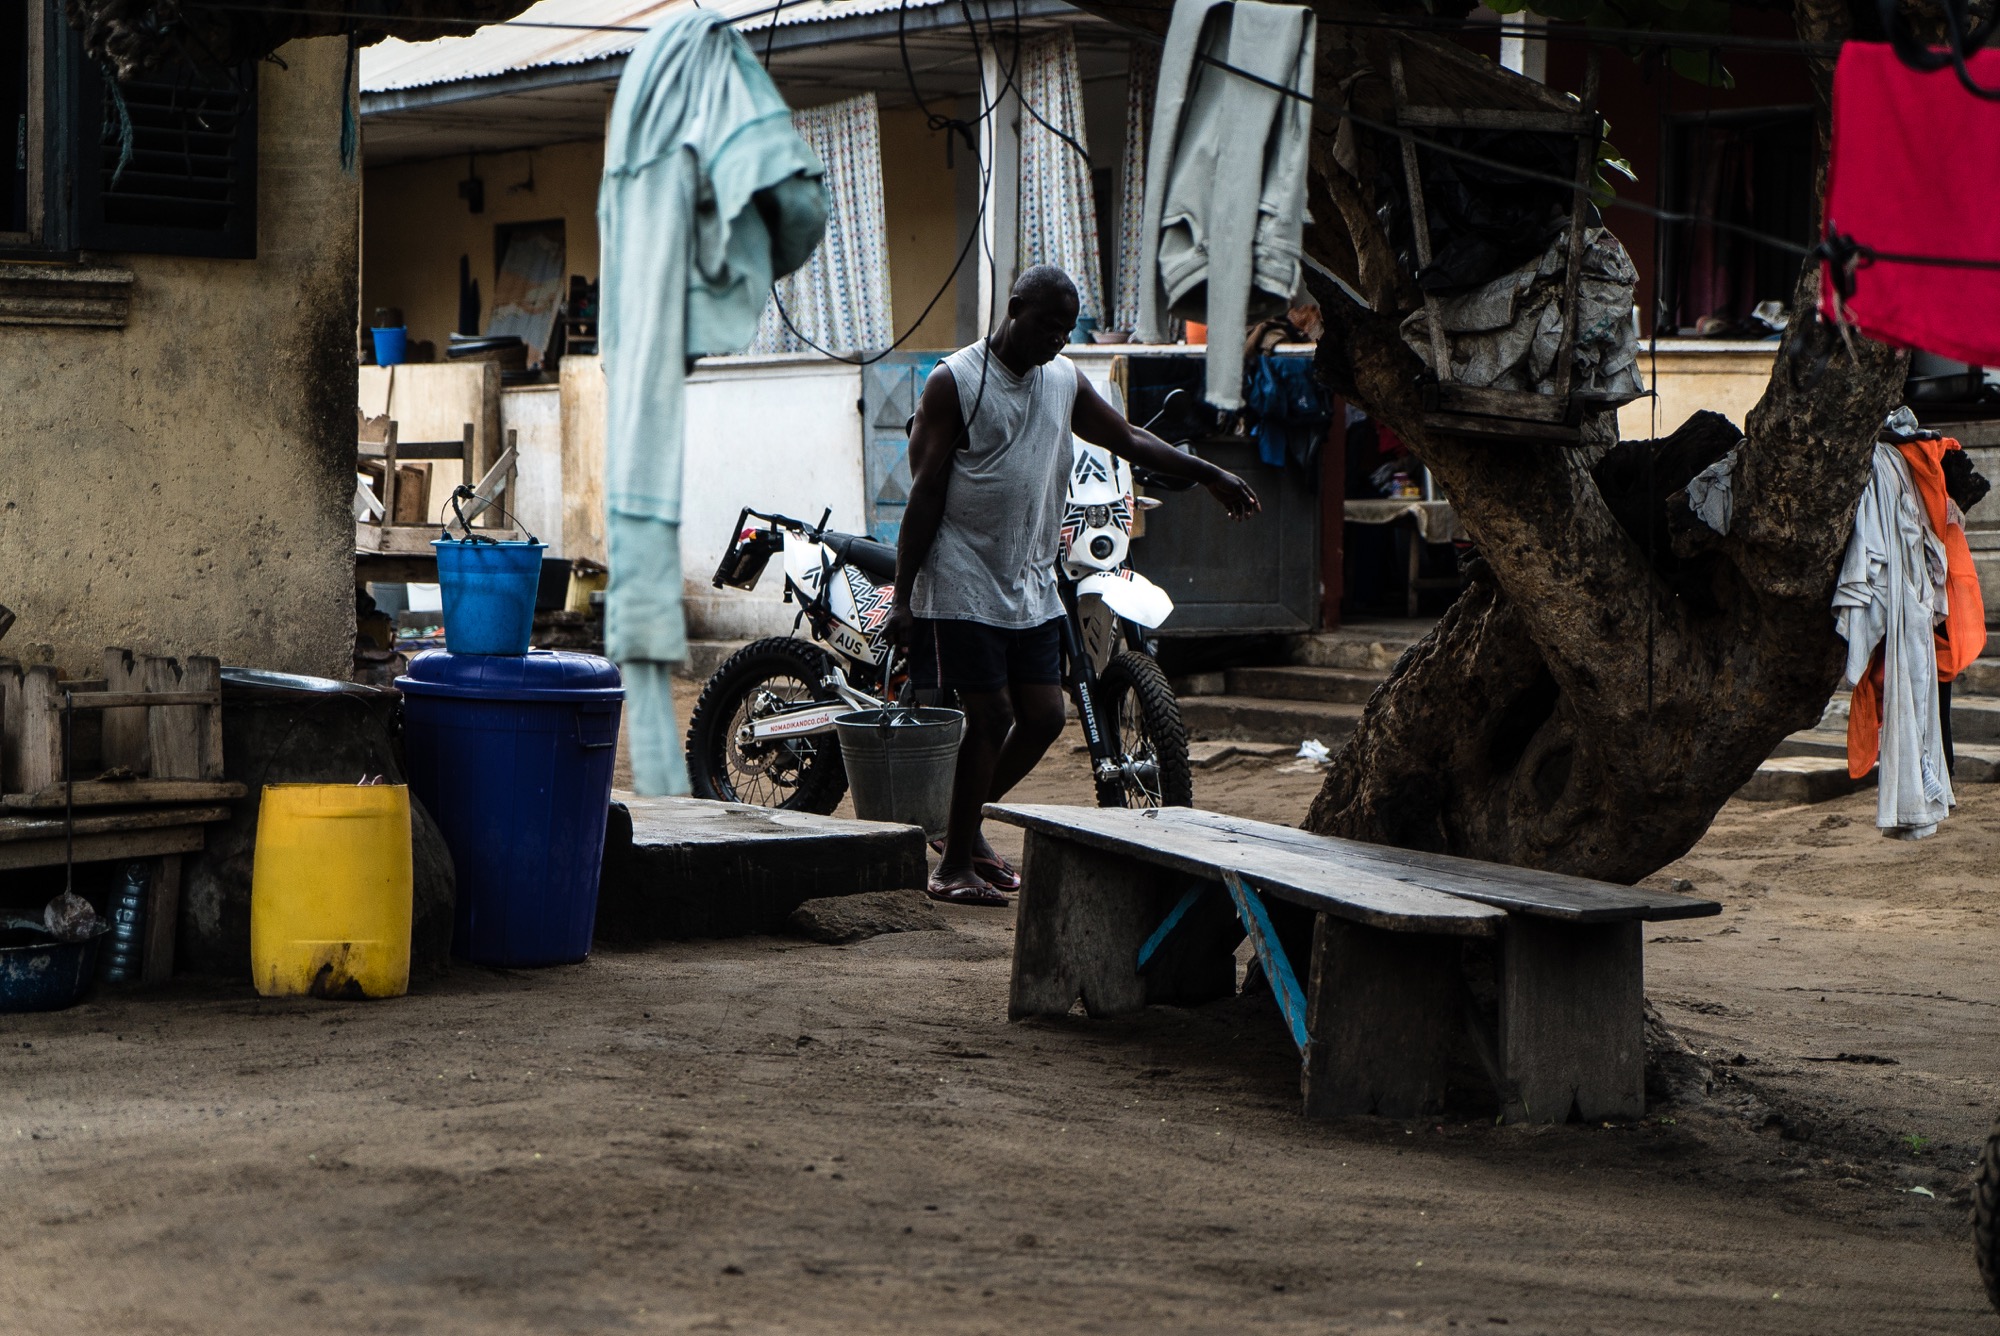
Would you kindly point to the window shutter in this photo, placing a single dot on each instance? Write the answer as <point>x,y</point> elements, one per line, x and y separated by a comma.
<point>188,185</point>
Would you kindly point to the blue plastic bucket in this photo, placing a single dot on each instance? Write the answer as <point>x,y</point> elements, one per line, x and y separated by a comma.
<point>489,594</point>
<point>391,345</point>
<point>513,758</point>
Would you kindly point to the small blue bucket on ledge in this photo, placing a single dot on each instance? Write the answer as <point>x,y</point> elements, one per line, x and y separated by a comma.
<point>489,594</point>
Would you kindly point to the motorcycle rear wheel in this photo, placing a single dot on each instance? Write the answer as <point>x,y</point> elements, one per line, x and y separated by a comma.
<point>798,774</point>
<point>1137,708</point>
<point>1986,1216</point>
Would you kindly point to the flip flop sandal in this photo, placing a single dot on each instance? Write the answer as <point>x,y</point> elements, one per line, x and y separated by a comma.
<point>999,874</point>
<point>966,890</point>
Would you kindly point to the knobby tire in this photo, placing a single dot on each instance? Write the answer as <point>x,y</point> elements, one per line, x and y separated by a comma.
<point>821,776</point>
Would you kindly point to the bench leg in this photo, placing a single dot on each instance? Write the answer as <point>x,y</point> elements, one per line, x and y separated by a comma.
<point>1572,1020</point>
<point>1383,1011</point>
<point>1083,916</point>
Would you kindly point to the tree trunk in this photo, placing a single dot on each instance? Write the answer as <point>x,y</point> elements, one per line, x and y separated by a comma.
<point>1595,695</point>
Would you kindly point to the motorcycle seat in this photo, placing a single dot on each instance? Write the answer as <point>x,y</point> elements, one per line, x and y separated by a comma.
<point>865,554</point>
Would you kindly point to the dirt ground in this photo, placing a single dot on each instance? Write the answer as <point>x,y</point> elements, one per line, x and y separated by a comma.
<point>767,1135</point>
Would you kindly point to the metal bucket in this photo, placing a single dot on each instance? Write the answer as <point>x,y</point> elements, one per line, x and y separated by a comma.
<point>900,763</point>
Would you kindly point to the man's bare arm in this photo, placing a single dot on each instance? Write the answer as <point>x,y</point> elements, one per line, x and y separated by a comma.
<point>1099,423</point>
<point>936,433</point>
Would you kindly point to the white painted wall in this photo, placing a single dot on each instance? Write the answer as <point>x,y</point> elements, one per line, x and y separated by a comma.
<point>780,433</point>
<point>534,414</point>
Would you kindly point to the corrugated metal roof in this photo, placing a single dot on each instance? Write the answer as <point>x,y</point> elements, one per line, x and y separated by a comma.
<point>503,48</point>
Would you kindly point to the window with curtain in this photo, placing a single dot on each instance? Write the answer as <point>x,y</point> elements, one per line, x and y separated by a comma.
<point>840,298</point>
<point>1140,85</point>
<point>1058,212</point>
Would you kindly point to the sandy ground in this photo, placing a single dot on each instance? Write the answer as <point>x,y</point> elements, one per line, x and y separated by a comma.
<point>767,1135</point>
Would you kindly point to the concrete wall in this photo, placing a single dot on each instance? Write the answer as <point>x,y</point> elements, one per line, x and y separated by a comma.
<point>414,227</point>
<point>778,433</point>
<point>1728,378</point>
<point>184,484</point>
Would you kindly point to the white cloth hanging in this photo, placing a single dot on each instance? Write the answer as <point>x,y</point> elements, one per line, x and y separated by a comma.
<point>1058,216</point>
<point>1226,180</point>
<point>708,195</point>
<point>1891,595</point>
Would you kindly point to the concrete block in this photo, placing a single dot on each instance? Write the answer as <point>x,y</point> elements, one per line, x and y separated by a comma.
<point>682,867</point>
<point>840,919</point>
<point>705,656</point>
<point>1345,686</point>
<point>1974,763</point>
<point>1802,779</point>
<point>1245,719</point>
<point>1199,684</point>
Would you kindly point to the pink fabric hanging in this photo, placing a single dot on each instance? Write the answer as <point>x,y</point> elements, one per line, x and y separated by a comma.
<point>1915,161</point>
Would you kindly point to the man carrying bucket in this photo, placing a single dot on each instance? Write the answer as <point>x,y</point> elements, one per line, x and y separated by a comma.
<point>976,603</point>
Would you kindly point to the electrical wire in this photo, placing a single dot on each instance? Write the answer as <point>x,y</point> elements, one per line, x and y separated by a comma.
<point>1844,252</point>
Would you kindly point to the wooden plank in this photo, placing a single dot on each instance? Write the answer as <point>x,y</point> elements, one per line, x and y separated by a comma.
<point>1346,891</point>
<point>1572,1021</point>
<point>163,915</point>
<point>1383,1011</point>
<point>1175,916</point>
<point>173,731</point>
<point>102,793</point>
<point>12,676</point>
<point>1552,895</point>
<point>1271,955</point>
<point>125,738</point>
<point>102,848</point>
<point>14,826</point>
<point>124,700</point>
<point>1486,401</point>
<point>203,674</point>
<point>430,449</point>
<point>1497,118</point>
<point>1420,224</point>
<point>1082,917</point>
<point>1580,206</point>
<point>1468,424</point>
<point>41,754</point>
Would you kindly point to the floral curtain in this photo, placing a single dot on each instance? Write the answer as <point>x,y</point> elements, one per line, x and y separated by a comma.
<point>1140,85</point>
<point>1058,207</point>
<point>840,298</point>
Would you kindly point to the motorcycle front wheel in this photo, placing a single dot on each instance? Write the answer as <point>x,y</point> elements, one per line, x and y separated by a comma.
<point>799,774</point>
<point>1139,713</point>
<point>1986,1217</point>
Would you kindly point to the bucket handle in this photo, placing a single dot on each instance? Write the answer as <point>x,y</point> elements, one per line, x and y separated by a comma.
<point>461,494</point>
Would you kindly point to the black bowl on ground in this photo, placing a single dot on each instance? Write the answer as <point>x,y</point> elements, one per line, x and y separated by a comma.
<point>39,973</point>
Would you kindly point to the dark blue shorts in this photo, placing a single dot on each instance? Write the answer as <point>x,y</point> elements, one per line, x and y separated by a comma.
<point>972,656</point>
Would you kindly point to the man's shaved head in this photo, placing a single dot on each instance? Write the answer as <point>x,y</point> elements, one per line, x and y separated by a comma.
<point>1044,283</point>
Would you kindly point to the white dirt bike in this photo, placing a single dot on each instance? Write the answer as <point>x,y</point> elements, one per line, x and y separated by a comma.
<point>762,731</point>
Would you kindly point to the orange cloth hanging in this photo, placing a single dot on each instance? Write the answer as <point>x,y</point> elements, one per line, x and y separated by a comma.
<point>1962,634</point>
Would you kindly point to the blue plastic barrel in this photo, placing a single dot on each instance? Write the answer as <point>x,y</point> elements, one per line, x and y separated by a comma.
<point>513,758</point>
<point>489,594</point>
<point>391,345</point>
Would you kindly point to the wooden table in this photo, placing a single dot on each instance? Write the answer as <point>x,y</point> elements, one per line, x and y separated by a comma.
<point>30,839</point>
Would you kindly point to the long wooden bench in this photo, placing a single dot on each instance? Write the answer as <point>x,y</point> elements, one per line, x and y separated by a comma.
<point>1126,908</point>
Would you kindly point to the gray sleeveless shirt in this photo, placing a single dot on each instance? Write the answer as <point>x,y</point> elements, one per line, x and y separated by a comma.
<point>995,554</point>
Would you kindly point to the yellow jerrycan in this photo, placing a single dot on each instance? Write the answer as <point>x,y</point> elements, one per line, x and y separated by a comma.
<point>330,891</point>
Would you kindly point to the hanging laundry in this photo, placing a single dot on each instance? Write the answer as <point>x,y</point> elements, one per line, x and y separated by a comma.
<point>1892,590</point>
<point>1914,160</point>
<point>1288,413</point>
<point>1226,180</point>
<point>1943,477</point>
<point>709,195</point>
<point>1505,334</point>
